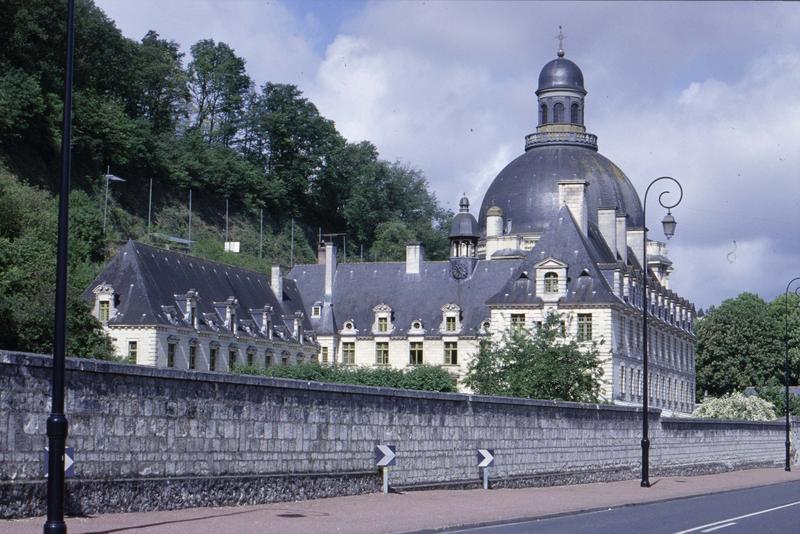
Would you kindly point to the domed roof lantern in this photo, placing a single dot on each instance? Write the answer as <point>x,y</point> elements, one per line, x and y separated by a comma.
<point>464,224</point>
<point>560,74</point>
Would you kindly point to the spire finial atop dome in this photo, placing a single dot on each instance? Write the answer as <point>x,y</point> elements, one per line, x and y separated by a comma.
<point>463,204</point>
<point>560,38</point>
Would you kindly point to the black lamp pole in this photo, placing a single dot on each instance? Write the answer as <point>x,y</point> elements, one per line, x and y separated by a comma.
<point>57,427</point>
<point>788,466</point>
<point>669,230</point>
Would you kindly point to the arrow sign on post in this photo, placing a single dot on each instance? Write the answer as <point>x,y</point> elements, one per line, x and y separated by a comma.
<point>69,462</point>
<point>485,457</point>
<point>385,455</point>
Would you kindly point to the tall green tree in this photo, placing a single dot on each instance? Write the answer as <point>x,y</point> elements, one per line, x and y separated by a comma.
<point>738,345</point>
<point>219,85</point>
<point>162,93</point>
<point>538,365</point>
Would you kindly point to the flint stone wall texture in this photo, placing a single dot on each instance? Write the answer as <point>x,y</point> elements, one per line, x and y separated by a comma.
<point>148,438</point>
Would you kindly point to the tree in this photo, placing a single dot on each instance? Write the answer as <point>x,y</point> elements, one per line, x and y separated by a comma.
<point>219,85</point>
<point>538,365</point>
<point>737,346</point>
<point>390,242</point>
<point>777,396</point>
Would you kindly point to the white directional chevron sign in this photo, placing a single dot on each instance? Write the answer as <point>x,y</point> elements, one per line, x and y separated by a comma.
<point>485,457</point>
<point>69,462</point>
<point>385,455</point>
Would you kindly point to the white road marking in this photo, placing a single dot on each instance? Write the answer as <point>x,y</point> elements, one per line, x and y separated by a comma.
<point>718,527</point>
<point>715,523</point>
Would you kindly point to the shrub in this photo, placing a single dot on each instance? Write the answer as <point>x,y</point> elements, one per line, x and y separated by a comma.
<point>425,378</point>
<point>736,406</point>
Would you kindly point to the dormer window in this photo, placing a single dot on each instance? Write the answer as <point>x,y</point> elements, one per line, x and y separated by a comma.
<point>416,325</point>
<point>316,311</point>
<point>550,282</point>
<point>451,318</point>
<point>104,309</point>
<point>383,319</point>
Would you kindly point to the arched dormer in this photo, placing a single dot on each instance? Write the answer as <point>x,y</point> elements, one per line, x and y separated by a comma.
<point>451,319</point>
<point>104,303</point>
<point>551,279</point>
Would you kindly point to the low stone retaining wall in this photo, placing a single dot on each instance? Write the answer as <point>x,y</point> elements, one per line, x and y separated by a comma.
<point>148,438</point>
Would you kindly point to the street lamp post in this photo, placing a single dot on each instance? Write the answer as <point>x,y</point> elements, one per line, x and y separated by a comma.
<point>788,466</point>
<point>668,223</point>
<point>109,178</point>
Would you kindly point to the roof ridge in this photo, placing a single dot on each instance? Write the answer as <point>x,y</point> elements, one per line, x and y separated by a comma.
<point>198,258</point>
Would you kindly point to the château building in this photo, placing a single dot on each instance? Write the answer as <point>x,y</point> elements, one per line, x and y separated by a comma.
<point>560,230</point>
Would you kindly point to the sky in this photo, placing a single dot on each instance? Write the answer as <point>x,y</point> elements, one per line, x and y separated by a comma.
<point>705,92</point>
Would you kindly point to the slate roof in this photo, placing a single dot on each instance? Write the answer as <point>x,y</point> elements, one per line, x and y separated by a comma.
<point>359,287</point>
<point>563,241</point>
<point>147,280</point>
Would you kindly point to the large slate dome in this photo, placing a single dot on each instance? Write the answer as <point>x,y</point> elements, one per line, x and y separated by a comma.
<point>527,189</point>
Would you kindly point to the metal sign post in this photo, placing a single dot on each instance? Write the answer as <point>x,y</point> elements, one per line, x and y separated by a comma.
<point>485,461</point>
<point>385,456</point>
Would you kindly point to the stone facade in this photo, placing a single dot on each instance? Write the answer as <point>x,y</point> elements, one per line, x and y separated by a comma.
<point>147,438</point>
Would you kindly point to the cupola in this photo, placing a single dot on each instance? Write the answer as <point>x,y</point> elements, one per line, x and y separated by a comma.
<point>464,232</point>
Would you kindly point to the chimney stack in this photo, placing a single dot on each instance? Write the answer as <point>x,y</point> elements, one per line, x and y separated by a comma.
<point>277,282</point>
<point>330,269</point>
<point>607,222</point>
<point>572,193</point>
<point>622,240</point>
<point>415,255</point>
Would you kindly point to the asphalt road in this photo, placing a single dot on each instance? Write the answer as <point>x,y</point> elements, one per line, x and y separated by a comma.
<point>762,510</point>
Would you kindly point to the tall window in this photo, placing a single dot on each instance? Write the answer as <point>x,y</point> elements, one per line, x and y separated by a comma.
<point>382,353</point>
<point>268,358</point>
<point>517,320</point>
<point>558,112</point>
<point>622,380</point>
<point>451,352</point>
<point>250,357</point>
<point>192,356</point>
<point>324,355</point>
<point>192,317</point>
<point>550,283</point>
<point>348,352</point>
<point>232,353</point>
<point>132,349</point>
<point>212,358</point>
<point>104,310</point>
<point>450,324</point>
<point>285,358</point>
<point>544,114</point>
<point>171,354</point>
<point>622,333</point>
<point>575,114</point>
<point>562,328</point>
<point>415,353</point>
<point>383,324</point>
<point>584,327</point>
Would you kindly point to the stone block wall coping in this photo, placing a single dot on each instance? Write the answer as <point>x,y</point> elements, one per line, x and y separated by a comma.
<point>103,366</point>
<point>686,421</point>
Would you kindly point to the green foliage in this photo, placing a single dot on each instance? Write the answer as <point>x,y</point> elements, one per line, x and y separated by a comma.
<point>738,345</point>
<point>425,378</point>
<point>28,232</point>
<point>777,396</point>
<point>736,406</point>
<point>538,365</point>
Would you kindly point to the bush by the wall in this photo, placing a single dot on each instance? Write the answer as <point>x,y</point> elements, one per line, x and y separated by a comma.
<point>424,377</point>
<point>736,406</point>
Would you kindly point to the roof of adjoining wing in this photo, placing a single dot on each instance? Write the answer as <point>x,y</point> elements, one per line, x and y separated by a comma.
<point>563,241</point>
<point>359,287</point>
<point>147,279</point>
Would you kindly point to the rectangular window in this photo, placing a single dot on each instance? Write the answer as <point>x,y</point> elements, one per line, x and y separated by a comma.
<point>622,380</point>
<point>622,333</point>
<point>192,356</point>
<point>517,320</point>
<point>250,358</point>
<point>212,358</point>
<point>562,328</point>
<point>268,358</point>
<point>232,357</point>
<point>382,353</point>
<point>630,334</point>
<point>415,353</point>
<point>324,355</point>
<point>132,351</point>
<point>584,327</point>
<point>383,324</point>
<point>538,325</point>
<point>316,311</point>
<point>450,324</point>
<point>451,352</point>
<point>171,354</point>
<point>348,353</point>
<point>105,308</point>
